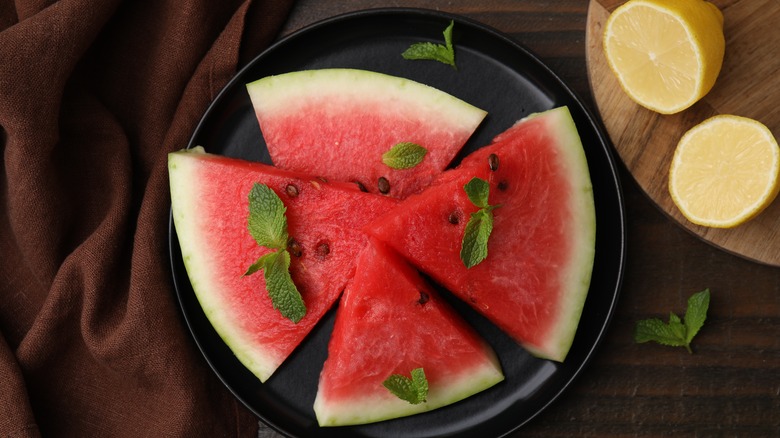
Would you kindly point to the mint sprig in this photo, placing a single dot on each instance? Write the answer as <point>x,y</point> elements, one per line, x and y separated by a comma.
<point>413,390</point>
<point>404,155</point>
<point>474,247</point>
<point>267,223</point>
<point>435,52</point>
<point>677,332</point>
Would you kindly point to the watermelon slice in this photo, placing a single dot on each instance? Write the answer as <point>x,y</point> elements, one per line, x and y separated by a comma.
<point>390,321</point>
<point>337,123</point>
<point>209,196</point>
<point>536,276</point>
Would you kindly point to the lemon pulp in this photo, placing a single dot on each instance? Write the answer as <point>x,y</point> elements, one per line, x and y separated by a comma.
<point>724,171</point>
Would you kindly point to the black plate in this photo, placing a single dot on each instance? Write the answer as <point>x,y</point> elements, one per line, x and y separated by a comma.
<point>495,74</point>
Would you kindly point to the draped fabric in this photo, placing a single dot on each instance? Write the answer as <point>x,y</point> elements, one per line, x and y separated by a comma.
<point>93,95</point>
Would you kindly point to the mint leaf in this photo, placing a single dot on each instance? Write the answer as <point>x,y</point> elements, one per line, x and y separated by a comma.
<point>677,327</point>
<point>677,333</point>
<point>404,155</point>
<point>284,295</point>
<point>429,51</point>
<point>475,238</point>
<point>413,390</point>
<point>478,191</point>
<point>473,247</point>
<point>657,331</point>
<point>696,313</point>
<point>435,52</point>
<point>267,223</point>
<point>258,265</point>
<point>448,44</point>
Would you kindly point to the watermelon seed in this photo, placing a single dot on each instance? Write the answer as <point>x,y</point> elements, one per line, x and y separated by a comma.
<point>291,190</point>
<point>383,185</point>
<point>323,179</point>
<point>423,298</point>
<point>503,185</point>
<point>361,186</point>
<point>294,247</point>
<point>454,218</point>
<point>323,249</point>
<point>493,162</point>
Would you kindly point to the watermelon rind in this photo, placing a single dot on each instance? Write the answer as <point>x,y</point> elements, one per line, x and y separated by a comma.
<point>337,123</point>
<point>371,409</point>
<point>274,93</point>
<point>184,206</point>
<point>577,277</point>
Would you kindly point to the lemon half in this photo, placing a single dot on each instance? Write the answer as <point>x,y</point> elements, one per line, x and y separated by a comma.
<point>725,171</point>
<point>666,54</point>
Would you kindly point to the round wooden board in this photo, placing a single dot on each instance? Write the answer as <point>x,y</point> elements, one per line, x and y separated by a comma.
<point>748,85</point>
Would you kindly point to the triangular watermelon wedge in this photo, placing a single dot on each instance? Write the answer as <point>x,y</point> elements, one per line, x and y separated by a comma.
<point>209,197</point>
<point>337,123</point>
<point>536,276</point>
<point>390,321</point>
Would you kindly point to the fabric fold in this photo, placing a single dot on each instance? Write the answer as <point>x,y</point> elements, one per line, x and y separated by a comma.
<point>93,95</point>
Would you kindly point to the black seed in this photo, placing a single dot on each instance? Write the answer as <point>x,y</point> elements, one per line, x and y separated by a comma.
<point>323,249</point>
<point>503,185</point>
<point>454,218</point>
<point>361,186</point>
<point>423,298</point>
<point>323,179</point>
<point>291,190</point>
<point>294,247</point>
<point>383,185</point>
<point>493,162</point>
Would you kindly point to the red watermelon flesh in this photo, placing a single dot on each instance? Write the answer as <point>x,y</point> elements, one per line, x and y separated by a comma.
<point>337,123</point>
<point>390,321</point>
<point>209,195</point>
<point>536,276</point>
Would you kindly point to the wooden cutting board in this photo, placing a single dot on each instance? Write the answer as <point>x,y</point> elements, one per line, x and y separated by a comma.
<point>748,85</point>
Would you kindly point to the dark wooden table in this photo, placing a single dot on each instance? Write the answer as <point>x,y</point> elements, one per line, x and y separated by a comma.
<point>730,385</point>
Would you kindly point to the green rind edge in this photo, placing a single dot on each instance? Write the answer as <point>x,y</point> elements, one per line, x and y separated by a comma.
<point>578,278</point>
<point>182,171</point>
<point>272,93</point>
<point>357,411</point>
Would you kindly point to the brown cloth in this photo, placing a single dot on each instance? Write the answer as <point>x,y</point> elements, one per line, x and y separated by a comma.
<point>93,95</point>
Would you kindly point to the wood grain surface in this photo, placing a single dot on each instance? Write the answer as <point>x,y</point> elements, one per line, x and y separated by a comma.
<point>730,385</point>
<point>748,85</point>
